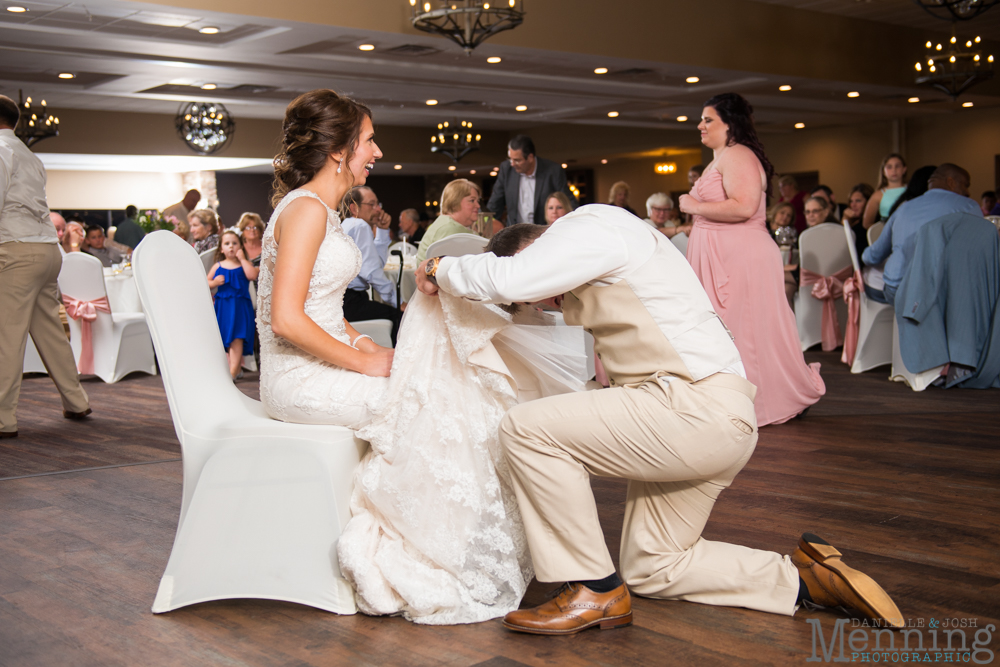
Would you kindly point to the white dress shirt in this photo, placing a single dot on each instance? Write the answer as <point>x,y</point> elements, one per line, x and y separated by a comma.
<point>601,245</point>
<point>374,252</point>
<point>526,197</point>
<point>24,213</point>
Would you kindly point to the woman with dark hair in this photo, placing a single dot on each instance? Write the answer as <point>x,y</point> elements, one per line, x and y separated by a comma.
<point>916,187</point>
<point>854,214</point>
<point>740,266</point>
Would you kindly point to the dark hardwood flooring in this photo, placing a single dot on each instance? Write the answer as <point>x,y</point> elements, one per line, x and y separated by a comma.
<point>905,484</point>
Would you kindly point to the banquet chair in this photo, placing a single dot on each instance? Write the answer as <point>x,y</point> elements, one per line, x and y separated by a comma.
<point>875,231</point>
<point>32,360</point>
<point>822,251</point>
<point>264,502</point>
<point>875,322</point>
<point>379,330</point>
<point>207,259</point>
<point>458,244</point>
<point>680,242</point>
<point>900,373</point>
<point>120,342</point>
<point>407,248</point>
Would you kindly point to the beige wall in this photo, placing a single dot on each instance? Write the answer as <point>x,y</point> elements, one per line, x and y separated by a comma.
<point>85,190</point>
<point>969,138</point>
<point>642,179</point>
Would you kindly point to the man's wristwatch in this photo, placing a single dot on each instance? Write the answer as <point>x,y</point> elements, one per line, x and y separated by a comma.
<point>430,271</point>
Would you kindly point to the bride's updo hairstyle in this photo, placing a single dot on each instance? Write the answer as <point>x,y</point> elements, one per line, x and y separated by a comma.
<point>316,124</point>
<point>737,113</point>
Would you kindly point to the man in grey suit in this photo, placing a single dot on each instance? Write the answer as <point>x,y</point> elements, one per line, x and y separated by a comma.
<point>524,183</point>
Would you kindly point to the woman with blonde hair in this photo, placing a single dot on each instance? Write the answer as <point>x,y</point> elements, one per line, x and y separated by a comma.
<point>619,196</point>
<point>459,209</point>
<point>891,184</point>
<point>556,206</point>
<point>204,229</point>
<point>252,232</point>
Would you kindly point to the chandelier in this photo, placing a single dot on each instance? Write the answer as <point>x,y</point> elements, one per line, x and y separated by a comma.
<point>455,141</point>
<point>206,127</point>
<point>467,22</point>
<point>35,124</point>
<point>954,67</point>
<point>956,10</point>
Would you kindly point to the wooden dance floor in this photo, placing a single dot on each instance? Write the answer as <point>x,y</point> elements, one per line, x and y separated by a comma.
<point>906,485</point>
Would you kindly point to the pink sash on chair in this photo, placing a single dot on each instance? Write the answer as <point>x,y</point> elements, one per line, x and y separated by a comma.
<point>853,287</point>
<point>827,289</point>
<point>86,312</point>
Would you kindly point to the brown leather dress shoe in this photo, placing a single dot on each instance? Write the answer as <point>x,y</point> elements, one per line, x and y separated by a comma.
<point>575,608</point>
<point>831,583</point>
<point>76,415</point>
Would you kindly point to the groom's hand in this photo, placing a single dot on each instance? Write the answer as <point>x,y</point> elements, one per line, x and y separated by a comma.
<point>423,282</point>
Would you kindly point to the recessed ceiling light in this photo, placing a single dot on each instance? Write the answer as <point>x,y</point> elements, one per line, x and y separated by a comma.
<point>799,126</point>
<point>601,70</point>
<point>966,104</point>
<point>452,168</point>
<point>785,88</point>
<point>913,100</point>
<point>521,107</point>
<point>682,119</point>
<point>692,79</point>
<point>67,75</point>
<point>854,93</point>
<point>366,47</point>
<point>397,167</point>
<point>493,60</point>
<point>493,173</point>
<point>209,86</point>
<point>431,103</point>
<point>209,30</point>
<point>604,161</point>
<point>564,165</point>
<point>472,171</point>
<point>16,10</point>
<point>612,114</point>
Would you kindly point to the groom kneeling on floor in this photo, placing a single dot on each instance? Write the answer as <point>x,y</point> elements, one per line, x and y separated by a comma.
<point>678,422</point>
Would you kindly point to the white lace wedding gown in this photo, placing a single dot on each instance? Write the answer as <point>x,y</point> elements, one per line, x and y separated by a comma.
<point>436,534</point>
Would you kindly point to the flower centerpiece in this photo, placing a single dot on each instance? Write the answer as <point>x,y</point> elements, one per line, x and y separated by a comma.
<point>151,220</point>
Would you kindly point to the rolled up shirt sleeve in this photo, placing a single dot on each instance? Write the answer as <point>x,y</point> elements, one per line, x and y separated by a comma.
<point>577,249</point>
<point>372,265</point>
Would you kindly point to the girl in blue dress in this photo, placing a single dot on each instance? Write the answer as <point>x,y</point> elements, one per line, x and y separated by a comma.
<point>231,274</point>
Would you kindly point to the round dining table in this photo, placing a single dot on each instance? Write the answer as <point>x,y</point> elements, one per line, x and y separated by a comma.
<point>123,295</point>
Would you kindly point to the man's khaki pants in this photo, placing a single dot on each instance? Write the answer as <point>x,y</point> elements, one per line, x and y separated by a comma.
<point>680,445</point>
<point>29,302</point>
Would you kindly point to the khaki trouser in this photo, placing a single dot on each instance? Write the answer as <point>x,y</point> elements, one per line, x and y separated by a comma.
<point>29,302</point>
<point>680,445</point>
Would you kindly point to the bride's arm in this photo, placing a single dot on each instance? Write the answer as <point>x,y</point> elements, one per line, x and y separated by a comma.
<point>302,228</point>
<point>365,344</point>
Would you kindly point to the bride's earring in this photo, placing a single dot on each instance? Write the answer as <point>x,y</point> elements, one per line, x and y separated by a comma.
<point>340,166</point>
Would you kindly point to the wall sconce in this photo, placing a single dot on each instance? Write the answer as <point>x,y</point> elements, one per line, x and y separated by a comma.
<point>665,168</point>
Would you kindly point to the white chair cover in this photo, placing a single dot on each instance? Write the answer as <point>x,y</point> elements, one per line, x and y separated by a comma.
<point>680,241</point>
<point>32,360</point>
<point>457,244</point>
<point>899,372</point>
<point>407,248</point>
<point>207,259</point>
<point>379,330</point>
<point>264,502</point>
<point>875,231</point>
<point>875,322</point>
<point>995,219</point>
<point>121,341</point>
<point>822,250</point>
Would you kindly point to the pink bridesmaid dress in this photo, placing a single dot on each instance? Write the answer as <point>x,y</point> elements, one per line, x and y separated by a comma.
<point>740,268</point>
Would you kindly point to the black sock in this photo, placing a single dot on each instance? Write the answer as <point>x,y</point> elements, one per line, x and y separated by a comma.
<point>605,585</point>
<point>803,592</point>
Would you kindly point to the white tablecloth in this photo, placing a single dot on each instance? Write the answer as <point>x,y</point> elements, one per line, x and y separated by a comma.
<point>409,285</point>
<point>123,296</point>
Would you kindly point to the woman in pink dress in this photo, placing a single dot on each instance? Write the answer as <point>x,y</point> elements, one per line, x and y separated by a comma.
<point>740,266</point>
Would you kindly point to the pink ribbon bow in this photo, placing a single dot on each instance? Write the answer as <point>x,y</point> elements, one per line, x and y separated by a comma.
<point>852,295</point>
<point>86,312</point>
<point>827,289</point>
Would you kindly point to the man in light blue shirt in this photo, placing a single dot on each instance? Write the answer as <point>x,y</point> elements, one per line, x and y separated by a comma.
<point>369,227</point>
<point>947,192</point>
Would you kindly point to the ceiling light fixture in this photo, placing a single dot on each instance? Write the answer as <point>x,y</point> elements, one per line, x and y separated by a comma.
<point>564,165</point>
<point>468,23</point>
<point>14,9</point>
<point>493,60</point>
<point>854,93</point>
<point>34,125</point>
<point>521,107</point>
<point>209,86</point>
<point>206,127</point>
<point>366,47</point>
<point>601,70</point>
<point>966,104</point>
<point>604,161</point>
<point>665,168</point>
<point>961,66</point>
<point>67,75</point>
<point>397,167</point>
<point>799,126</point>
<point>209,30</point>
<point>472,171</point>
<point>431,103</point>
<point>452,168</point>
<point>692,79</point>
<point>455,140</point>
<point>785,88</point>
<point>612,114</point>
<point>913,100</point>
<point>960,10</point>
<point>493,174</point>
<point>682,119</point>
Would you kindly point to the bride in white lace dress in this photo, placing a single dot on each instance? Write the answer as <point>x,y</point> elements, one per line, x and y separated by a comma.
<point>436,534</point>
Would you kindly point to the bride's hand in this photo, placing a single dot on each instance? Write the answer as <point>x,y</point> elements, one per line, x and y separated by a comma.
<point>378,362</point>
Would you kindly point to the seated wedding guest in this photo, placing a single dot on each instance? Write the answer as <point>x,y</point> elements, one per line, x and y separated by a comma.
<point>826,192</point>
<point>659,206</point>
<point>782,217</point>
<point>694,173</point>
<point>182,229</point>
<point>251,232</point>
<point>948,192</point>
<point>854,214</point>
<point>790,194</point>
<point>891,184</point>
<point>368,226</point>
<point>129,233</point>
<point>75,238</point>
<point>97,246</point>
<point>59,223</point>
<point>988,202</point>
<point>182,209</point>
<point>817,211</point>
<point>409,225</point>
<point>916,187</point>
<point>459,209</point>
<point>619,196</point>
<point>556,206</point>
<point>204,229</point>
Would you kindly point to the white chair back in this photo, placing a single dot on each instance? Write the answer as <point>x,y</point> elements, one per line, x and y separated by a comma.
<point>207,259</point>
<point>849,233</point>
<point>680,242</point>
<point>823,250</point>
<point>407,248</point>
<point>82,277</point>
<point>457,245</point>
<point>875,231</point>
